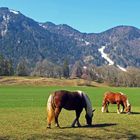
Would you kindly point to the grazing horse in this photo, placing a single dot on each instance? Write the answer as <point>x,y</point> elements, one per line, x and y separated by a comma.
<point>116,98</point>
<point>71,101</point>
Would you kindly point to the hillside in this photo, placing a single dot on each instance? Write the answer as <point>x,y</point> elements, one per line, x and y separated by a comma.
<point>40,81</point>
<point>22,37</point>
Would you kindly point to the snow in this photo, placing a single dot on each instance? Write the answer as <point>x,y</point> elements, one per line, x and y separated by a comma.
<point>121,68</point>
<point>83,41</point>
<point>105,56</point>
<point>41,25</point>
<point>13,11</point>
<point>87,43</point>
<point>84,67</point>
<point>6,18</point>
<point>5,22</point>
<point>3,32</point>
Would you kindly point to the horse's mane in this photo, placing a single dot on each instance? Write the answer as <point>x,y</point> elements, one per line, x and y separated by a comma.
<point>88,103</point>
<point>127,102</point>
<point>121,93</point>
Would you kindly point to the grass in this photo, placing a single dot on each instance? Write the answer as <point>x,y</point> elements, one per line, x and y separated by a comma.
<point>23,115</point>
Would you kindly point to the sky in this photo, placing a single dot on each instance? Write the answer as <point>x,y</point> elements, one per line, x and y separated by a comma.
<point>90,16</point>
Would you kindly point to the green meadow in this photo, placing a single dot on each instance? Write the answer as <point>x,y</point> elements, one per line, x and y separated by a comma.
<point>23,115</point>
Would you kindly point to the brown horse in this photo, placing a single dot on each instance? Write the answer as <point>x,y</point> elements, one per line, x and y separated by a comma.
<point>116,98</point>
<point>71,101</point>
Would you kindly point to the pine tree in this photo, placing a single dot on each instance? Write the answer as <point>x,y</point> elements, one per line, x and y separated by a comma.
<point>66,69</point>
<point>77,70</point>
<point>6,67</point>
<point>1,65</point>
<point>22,68</point>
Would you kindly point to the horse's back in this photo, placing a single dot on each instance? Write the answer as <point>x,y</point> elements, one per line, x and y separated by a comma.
<point>67,99</point>
<point>113,97</point>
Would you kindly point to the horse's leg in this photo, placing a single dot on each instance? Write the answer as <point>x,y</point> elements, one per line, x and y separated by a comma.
<point>78,112</point>
<point>57,112</point>
<point>78,115</point>
<point>74,122</point>
<point>107,107</point>
<point>77,118</point>
<point>103,106</point>
<point>122,108</point>
<point>118,108</point>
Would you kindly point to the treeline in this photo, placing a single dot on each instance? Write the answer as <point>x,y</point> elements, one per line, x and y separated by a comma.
<point>44,68</point>
<point>116,77</point>
<point>6,67</point>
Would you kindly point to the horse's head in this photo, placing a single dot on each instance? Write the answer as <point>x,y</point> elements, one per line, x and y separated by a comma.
<point>128,109</point>
<point>128,106</point>
<point>89,118</point>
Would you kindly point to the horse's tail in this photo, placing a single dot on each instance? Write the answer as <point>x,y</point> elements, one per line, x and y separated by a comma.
<point>104,97</point>
<point>50,109</point>
<point>104,101</point>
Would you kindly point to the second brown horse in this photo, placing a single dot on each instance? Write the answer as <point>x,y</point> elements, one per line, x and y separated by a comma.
<point>116,98</point>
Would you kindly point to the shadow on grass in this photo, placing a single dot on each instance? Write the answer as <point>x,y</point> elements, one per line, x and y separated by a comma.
<point>104,125</point>
<point>63,136</point>
<point>135,113</point>
<point>4,137</point>
<point>132,113</point>
<point>92,126</point>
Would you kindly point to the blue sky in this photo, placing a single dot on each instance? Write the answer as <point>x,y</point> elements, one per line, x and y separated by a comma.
<point>84,15</point>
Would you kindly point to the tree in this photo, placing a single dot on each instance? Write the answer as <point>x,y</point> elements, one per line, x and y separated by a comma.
<point>23,68</point>
<point>77,70</point>
<point>1,65</point>
<point>6,67</point>
<point>66,69</point>
<point>47,69</point>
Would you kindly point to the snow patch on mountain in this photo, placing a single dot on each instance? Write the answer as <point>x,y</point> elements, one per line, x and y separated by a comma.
<point>83,41</point>
<point>121,68</point>
<point>13,11</point>
<point>87,43</point>
<point>105,56</point>
<point>5,22</point>
<point>6,18</point>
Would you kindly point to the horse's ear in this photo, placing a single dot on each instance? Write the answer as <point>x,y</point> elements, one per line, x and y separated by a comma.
<point>93,110</point>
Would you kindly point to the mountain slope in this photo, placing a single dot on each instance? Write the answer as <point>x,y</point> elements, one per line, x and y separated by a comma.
<point>22,37</point>
<point>123,45</point>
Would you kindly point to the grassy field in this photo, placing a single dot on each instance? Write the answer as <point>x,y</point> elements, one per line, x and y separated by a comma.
<point>23,115</point>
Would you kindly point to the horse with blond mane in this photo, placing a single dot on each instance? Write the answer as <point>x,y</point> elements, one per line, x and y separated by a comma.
<point>71,101</point>
<point>116,98</point>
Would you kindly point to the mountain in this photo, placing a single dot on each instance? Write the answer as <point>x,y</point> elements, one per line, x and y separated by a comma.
<point>22,37</point>
<point>123,45</point>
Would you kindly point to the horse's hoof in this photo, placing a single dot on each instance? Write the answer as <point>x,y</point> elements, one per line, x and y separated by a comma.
<point>88,125</point>
<point>128,113</point>
<point>79,125</point>
<point>57,126</point>
<point>48,127</point>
